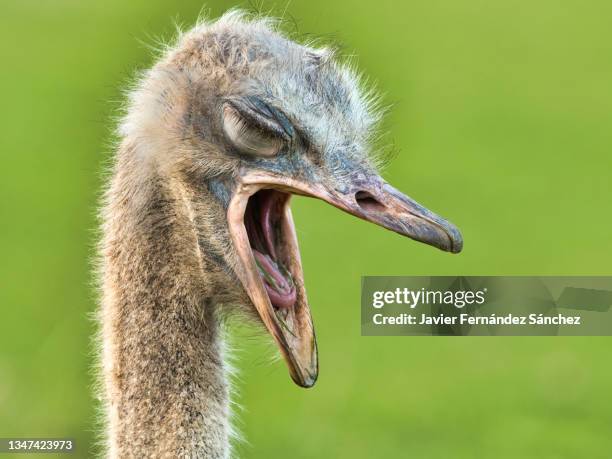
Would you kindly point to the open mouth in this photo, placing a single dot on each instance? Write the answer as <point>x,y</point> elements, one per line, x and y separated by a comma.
<point>270,268</point>
<point>263,224</point>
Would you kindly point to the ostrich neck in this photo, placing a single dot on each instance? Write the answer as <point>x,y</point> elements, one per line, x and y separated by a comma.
<point>162,353</point>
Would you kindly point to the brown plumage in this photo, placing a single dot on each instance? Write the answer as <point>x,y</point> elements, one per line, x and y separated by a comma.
<point>196,223</point>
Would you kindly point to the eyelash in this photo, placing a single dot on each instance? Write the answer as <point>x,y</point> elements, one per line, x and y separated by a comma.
<point>244,126</point>
<point>249,138</point>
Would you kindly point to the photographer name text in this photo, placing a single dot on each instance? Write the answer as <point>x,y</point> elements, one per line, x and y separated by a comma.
<point>466,319</point>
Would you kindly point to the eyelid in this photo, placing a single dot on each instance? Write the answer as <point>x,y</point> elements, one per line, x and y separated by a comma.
<point>264,116</point>
<point>249,138</point>
<point>272,113</point>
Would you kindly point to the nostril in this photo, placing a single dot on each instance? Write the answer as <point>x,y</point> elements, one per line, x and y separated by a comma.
<point>368,202</point>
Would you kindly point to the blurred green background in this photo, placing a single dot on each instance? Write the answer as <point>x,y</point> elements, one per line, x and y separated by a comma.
<point>502,113</point>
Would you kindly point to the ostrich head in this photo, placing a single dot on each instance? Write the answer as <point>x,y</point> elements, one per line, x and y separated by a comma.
<point>239,118</point>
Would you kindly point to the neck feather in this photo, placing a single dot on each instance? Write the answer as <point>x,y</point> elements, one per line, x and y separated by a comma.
<point>162,352</point>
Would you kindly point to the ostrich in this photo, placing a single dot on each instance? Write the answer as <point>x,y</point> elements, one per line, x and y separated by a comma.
<point>196,223</point>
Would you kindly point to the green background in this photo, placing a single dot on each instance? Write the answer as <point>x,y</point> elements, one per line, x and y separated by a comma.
<point>502,117</point>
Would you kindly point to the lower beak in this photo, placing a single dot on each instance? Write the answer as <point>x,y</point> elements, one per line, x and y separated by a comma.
<point>369,198</point>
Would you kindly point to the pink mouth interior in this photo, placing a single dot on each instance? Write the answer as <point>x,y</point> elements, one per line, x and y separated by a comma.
<point>262,221</point>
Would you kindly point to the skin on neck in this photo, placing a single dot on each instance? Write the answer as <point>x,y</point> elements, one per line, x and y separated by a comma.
<point>162,349</point>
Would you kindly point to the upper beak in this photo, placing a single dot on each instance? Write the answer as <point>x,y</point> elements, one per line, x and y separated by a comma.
<point>378,202</point>
<point>367,197</point>
<point>374,200</point>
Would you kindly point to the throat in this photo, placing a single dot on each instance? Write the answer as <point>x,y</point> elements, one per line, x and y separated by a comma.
<point>263,222</point>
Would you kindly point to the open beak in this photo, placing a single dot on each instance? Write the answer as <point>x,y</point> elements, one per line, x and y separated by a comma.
<point>262,230</point>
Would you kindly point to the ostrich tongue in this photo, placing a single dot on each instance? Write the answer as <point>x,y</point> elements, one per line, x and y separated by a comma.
<point>262,222</point>
<point>277,281</point>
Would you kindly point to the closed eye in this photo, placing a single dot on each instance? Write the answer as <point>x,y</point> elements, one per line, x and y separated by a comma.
<point>251,135</point>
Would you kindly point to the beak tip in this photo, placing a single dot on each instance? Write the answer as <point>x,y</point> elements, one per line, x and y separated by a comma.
<point>306,379</point>
<point>455,239</point>
<point>307,384</point>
